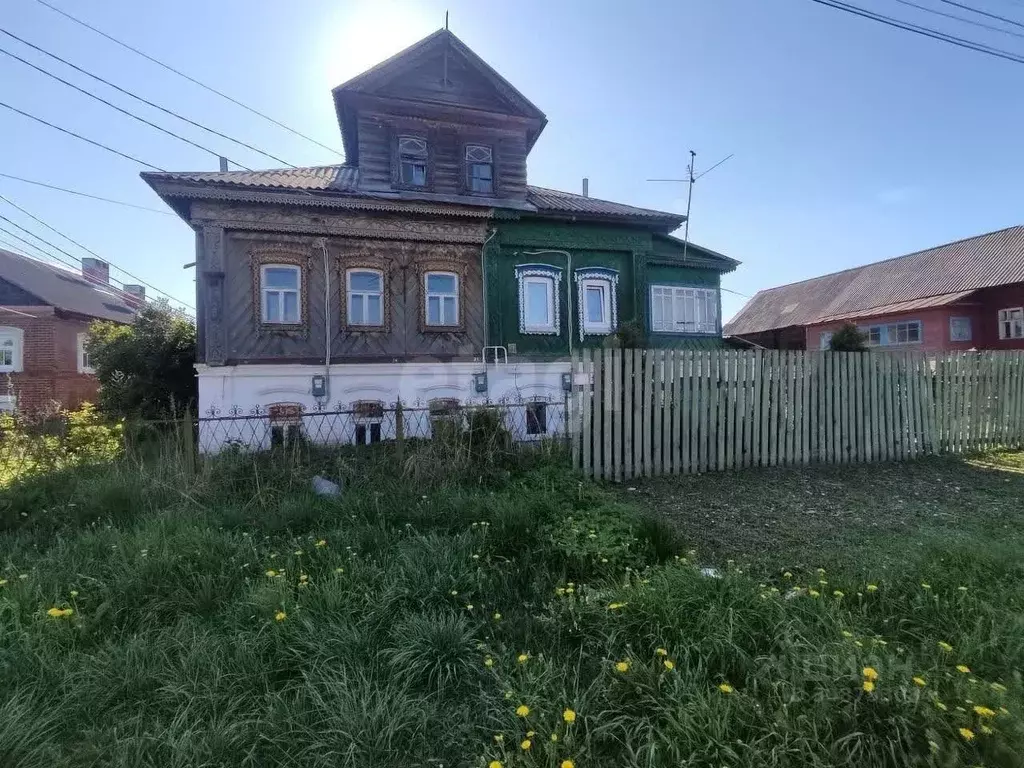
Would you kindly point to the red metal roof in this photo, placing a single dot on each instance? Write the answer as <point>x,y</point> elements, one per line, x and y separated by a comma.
<point>983,261</point>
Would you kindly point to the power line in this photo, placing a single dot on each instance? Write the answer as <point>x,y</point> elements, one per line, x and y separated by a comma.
<point>79,136</point>
<point>925,31</point>
<point>964,19</point>
<point>169,68</point>
<point>113,106</point>
<point>90,251</point>
<point>75,262</point>
<point>983,13</point>
<point>85,194</point>
<point>144,100</point>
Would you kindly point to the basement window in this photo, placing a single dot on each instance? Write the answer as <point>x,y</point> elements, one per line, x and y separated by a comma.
<point>537,418</point>
<point>368,415</point>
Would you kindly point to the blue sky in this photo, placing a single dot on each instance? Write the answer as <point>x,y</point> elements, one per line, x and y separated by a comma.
<point>853,141</point>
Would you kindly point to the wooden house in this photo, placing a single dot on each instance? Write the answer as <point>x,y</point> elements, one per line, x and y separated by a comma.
<point>424,268</point>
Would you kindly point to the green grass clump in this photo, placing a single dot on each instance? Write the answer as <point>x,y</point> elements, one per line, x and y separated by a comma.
<point>155,612</point>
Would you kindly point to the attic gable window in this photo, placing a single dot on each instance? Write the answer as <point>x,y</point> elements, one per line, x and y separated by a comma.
<point>412,160</point>
<point>480,169</point>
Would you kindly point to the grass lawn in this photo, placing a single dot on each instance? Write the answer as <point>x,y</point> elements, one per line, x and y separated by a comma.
<point>157,614</point>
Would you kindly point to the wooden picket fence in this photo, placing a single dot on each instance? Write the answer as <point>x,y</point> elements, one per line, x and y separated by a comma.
<point>653,412</point>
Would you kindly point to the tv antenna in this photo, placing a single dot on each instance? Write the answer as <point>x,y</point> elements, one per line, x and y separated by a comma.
<point>691,179</point>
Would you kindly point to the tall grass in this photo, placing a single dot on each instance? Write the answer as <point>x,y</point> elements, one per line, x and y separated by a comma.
<point>222,614</point>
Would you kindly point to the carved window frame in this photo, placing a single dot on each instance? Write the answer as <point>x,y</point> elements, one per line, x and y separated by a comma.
<point>455,267</point>
<point>588,276</point>
<point>286,255</point>
<point>365,262</point>
<point>399,132</point>
<point>524,273</point>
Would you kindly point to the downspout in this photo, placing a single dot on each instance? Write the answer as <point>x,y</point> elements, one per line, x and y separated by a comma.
<point>327,321</point>
<point>483,282</point>
<point>568,287</point>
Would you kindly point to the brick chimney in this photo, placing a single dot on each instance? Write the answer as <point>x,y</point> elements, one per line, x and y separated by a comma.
<point>96,271</point>
<point>135,295</point>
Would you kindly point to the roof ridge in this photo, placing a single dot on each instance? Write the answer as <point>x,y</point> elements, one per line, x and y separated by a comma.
<point>891,258</point>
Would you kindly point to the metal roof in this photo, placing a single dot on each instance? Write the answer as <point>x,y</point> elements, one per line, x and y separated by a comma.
<point>62,288</point>
<point>929,302</point>
<point>343,180</point>
<point>983,261</point>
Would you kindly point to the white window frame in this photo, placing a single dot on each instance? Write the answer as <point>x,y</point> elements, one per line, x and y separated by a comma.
<point>961,322</point>
<point>414,150</point>
<point>533,273</point>
<point>608,281</point>
<point>679,295</point>
<point>350,293</point>
<point>83,355</point>
<point>265,290</point>
<point>1011,323</point>
<point>17,336</point>
<point>428,295</point>
<point>479,154</point>
<point>888,334</point>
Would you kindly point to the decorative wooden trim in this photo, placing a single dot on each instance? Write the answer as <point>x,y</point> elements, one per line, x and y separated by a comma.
<point>440,263</point>
<point>605,274</point>
<point>368,261</point>
<point>281,253</point>
<point>551,272</point>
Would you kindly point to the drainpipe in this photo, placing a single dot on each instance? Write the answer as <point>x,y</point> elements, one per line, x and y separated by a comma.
<point>568,287</point>
<point>327,321</point>
<point>483,283</point>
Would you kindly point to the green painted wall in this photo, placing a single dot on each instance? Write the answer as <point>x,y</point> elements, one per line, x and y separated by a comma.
<point>639,258</point>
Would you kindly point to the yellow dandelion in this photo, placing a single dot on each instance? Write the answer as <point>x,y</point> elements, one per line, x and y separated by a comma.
<point>943,646</point>
<point>669,664</point>
<point>522,658</point>
<point>660,652</point>
<point>569,716</point>
<point>554,737</point>
<point>622,666</point>
<point>321,543</point>
<point>280,616</point>
<point>872,587</point>
<point>939,705</point>
<point>870,673</point>
<point>997,687</point>
<point>963,669</point>
<point>981,711</point>
<point>497,617</point>
<point>967,734</point>
<point>567,764</point>
<point>919,682</point>
<point>525,745</point>
<point>868,686</point>
<point>725,688</point>
<point>523,711</point>
<point>838,594</point>
<point>530,734</point>
<point>616,606</point>
<point>488,662</point>
<point>74,593</point>
<point>55,613</point>
<point>494,764</point>
<point>813,593</point>
<point>985,729</point>
<point>271,574</point>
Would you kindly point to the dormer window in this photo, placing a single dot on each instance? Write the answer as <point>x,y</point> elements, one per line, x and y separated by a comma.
<point>480,169</point>
<point>412,160</point>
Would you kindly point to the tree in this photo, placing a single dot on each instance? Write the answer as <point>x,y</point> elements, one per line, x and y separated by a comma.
<point>146,369</point>
<point>849,338</point>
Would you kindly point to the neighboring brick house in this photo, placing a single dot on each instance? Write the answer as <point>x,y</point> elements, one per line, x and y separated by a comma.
<point>45,313</point>
<point>968,294</point>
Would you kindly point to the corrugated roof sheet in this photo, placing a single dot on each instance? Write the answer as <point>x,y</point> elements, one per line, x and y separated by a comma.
<point>995,258</point>
<point>928,302</point>
<point>343,179</point>
<point>63,288</point>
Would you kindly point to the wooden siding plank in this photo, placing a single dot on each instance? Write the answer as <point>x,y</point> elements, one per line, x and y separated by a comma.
<point>638,413</point>
<point>616,403</point>
<point>598,414</point>
<point>658,383</point>
<point>666,413</point>
<point>744,407</point>
<point>573,417</point>
<point>678,412</point>
<point>588,413</point>
<point>685,374</point>
<point>805,409</point>
<point>719,410</point>
<point>765,382</point>
<point>775,422</point>
<point>704,405</point>
<point>648,384</point>
<point>728,407</point>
